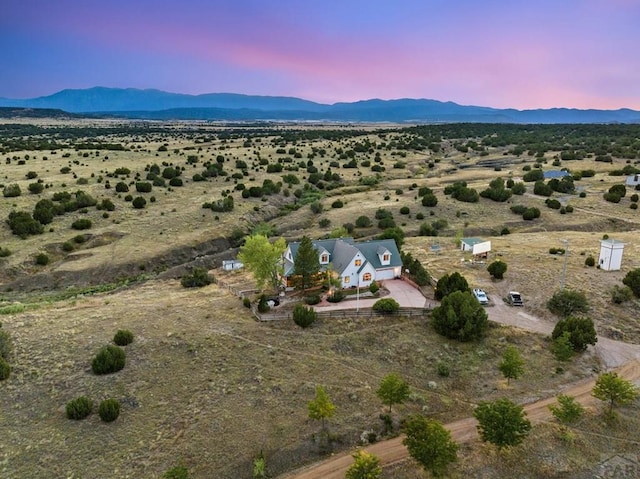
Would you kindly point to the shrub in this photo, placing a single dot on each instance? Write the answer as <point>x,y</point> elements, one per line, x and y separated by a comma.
<point>5,369</point>
<point>324,222</point>
<point>581,331</point>
<point>363,222</point>
<point>176,472</point>
<point>311,300</point>
<point>82,224</point>
<point>632,280</point>
<point>246,302</point>
<point>497,269</point>
<point>6,344</point>
<point>443,370</point>
<point>336,296</point>
<point>121,187</point>
<point>175,181</point>
<point>531,214</point>
<point>123,337</point>
<point>590,261</point>
<point>110,359</point>
<point>621,294</point>
<point>11,191</point>
<point>198,278</point>
<point>386,305</point>
<point>337,204</point>
<point>263,306</point>
<point>404,210</point>
<point>374,288</point>
<point>139,202</point>
<point>22,224</point>
<point>4,252</point>
<point>429,200</point>
<point>303,316</point>
<point>36,188</point>
<point>143,187</point>
<point>109,410</point>
<point>79,408</point>
<point>567,302</point>
<point>42,259</point>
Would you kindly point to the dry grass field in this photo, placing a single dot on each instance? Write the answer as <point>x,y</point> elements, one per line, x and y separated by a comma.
<point>208,386</point>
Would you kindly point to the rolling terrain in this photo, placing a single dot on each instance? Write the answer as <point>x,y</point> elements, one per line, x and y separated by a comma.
<point>205,384</point>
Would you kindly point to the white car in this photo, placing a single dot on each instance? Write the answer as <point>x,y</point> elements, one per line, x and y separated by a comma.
<point>481,296</point>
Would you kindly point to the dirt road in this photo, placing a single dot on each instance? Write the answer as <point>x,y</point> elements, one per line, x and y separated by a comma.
<point>621,357</point>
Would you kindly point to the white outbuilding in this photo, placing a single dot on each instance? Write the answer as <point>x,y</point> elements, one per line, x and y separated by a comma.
<point>611,255</point>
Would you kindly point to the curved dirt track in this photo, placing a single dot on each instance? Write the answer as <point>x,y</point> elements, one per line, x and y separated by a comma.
<point>614,353</point>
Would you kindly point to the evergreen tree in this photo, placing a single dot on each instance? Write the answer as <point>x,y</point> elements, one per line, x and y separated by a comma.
<point>307,265</point>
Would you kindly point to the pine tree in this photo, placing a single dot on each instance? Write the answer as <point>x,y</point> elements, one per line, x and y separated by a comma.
<point>307,265</point>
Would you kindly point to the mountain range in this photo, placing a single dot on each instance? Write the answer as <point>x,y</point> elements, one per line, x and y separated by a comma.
<point>161,105</point>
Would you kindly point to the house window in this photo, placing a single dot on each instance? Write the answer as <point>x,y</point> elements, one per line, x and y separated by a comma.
<point>324,258</point>
<point>386,257</point>
<point>346,279</point>
<point>366,277</point>
<point>358,262</point>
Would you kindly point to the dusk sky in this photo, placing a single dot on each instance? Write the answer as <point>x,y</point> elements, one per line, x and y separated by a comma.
<point>497,53</point>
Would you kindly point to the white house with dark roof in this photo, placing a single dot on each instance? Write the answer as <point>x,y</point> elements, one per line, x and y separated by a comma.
<point>356,264</point>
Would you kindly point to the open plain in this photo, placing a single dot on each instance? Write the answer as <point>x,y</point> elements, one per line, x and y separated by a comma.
<point>208,386</point>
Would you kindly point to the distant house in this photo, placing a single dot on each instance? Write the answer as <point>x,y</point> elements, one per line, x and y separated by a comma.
<point>475,246</point>
<point>356,264</point>
<point>633,180</point>
<point>555,174</point>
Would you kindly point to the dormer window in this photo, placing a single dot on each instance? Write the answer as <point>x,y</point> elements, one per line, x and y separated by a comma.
<point>386,257</point>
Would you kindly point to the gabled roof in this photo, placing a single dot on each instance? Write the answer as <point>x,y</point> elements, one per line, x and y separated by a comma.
<point>472,241</point>
<point>370,251</point>
<point>342,251</point>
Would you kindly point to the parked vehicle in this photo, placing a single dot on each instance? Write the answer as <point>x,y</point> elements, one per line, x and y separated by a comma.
<point>481,296</point>
<point>515,299</point>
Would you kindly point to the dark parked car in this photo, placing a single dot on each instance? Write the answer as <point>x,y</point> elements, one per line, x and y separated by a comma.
<point>515,299</point>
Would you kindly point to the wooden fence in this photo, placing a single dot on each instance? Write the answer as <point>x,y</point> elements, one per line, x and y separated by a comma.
<point>342,313</point>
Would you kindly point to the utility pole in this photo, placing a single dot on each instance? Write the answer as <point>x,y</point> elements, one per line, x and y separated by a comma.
<point>564,267</point>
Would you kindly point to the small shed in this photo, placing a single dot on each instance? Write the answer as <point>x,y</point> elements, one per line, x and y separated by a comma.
<point>610,255</point>
<point>475,246</point>
<point>231,265</point>
<point>633,180</point>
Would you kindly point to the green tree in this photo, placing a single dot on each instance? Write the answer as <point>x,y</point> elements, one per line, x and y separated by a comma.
<point>393,390</point>
<point>618,391</point>
<point>460,317</point>
<point>632,279</point>
<point>497,269</point>
<point>562,348</point>
<point>395,234</point>
<point>365,466</point>
<point>512,365</point>
<point>567,411</point>
<point>307,265</point>
<point>581,332</point>
<point>567,302</point>
<point>450,283</point>
<point>430,444</point>
<point>321,408</point>
<point>502,422</point>
<point>263,259</point>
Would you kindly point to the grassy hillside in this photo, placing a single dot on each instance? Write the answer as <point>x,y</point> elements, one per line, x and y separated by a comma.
<point>205,383</point>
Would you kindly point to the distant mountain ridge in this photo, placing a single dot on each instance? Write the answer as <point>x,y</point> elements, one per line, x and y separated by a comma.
<point>161,105</point>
